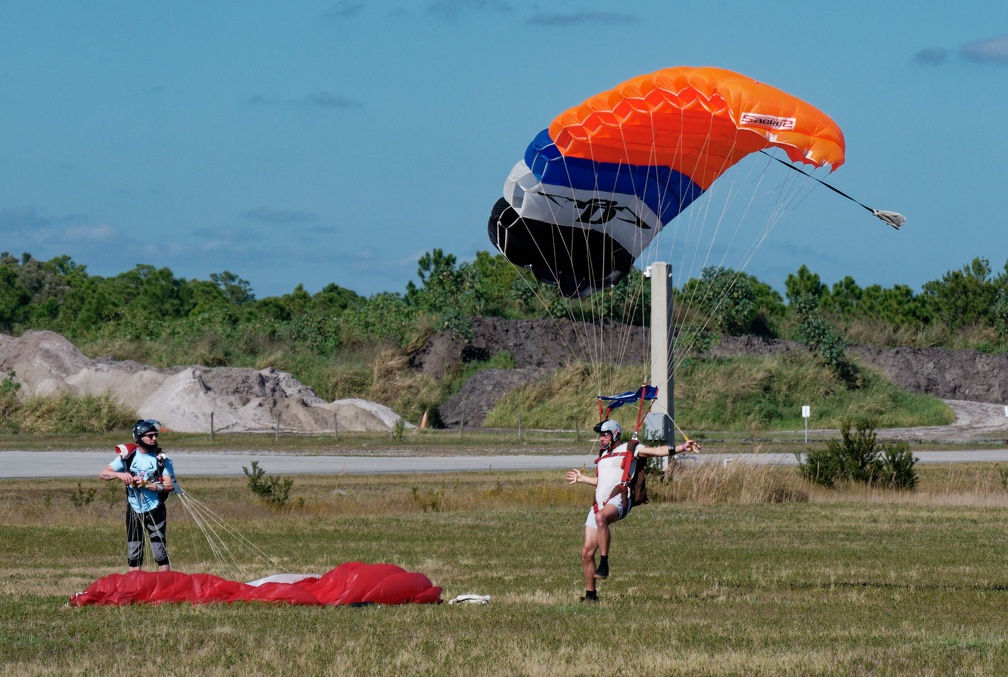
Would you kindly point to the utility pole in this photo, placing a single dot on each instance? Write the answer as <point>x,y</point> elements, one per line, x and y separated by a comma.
<point>662,338</point>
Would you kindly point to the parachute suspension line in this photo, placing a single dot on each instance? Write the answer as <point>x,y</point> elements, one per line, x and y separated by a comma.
<point>591,335</point>
<point>784,199</point>
<point>215,544</point>
<point>217,532</point>
<point>550,304</point>
<point>894,219</point>
<point>701,255</point>
<point>788,194</point>
<point>632,285</point>
<point>210,519</point>
<point>582,341</point>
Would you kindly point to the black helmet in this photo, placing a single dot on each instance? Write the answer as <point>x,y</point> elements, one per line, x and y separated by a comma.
<point>141,428</point>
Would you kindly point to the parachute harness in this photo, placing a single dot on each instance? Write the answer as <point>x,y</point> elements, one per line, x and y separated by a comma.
<point>644,393</point>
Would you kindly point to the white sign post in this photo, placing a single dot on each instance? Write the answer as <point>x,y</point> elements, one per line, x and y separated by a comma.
<point>806,411</point>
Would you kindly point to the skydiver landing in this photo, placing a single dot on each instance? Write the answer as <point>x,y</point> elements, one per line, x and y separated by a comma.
<point>615,465</point>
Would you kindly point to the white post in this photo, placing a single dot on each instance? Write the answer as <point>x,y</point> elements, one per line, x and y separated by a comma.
<point>662,338</point>
<point>806,411</point>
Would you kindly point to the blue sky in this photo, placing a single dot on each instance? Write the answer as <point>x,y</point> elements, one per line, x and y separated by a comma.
<point>318,142</point>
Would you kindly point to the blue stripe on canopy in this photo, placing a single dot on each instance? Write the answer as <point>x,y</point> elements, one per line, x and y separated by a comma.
<point>664,190</point>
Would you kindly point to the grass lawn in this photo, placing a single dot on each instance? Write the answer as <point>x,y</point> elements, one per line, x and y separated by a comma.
<point>710,578</point>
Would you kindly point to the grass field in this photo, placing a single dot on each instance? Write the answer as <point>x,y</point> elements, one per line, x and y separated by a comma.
<point>727,571</point>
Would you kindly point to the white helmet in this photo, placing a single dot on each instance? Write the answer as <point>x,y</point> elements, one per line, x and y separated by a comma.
<point>612,427</point>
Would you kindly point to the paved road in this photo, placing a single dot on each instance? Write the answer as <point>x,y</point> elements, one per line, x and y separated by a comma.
<point>39,464</point>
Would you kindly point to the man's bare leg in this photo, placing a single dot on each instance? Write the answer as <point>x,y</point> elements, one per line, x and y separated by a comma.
<point>588,558</point>
<point>603,518</point>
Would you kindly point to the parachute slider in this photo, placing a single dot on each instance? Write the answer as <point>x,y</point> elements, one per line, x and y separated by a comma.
<point>894,219</point>
<point>645,392</point>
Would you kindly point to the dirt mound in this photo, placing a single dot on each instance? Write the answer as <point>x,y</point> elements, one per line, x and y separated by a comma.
<point>949,374</point>
<point>187,399</point>
<point>469,406</point>
<point>966,375</point>
<point>543,344</point>
<point>960,377</point>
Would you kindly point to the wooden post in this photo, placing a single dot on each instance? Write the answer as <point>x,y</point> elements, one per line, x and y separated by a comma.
<point>211,426</point>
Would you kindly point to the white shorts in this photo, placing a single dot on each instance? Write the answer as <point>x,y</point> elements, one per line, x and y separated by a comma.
<point>616,500</point>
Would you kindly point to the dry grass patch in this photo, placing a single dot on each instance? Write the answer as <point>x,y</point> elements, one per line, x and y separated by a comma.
<point>710,581</point>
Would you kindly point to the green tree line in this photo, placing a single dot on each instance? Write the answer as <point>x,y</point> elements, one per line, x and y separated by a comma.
<point>344,344</point>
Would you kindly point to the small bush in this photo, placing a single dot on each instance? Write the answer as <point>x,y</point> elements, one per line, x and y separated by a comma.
<point>898,463</point>
<point>858,457</point>
<point>273,491</point>
<point>82,496</point>
<point>9,385</point>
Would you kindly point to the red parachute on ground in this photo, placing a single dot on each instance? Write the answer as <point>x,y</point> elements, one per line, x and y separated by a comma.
<point>349,583</point>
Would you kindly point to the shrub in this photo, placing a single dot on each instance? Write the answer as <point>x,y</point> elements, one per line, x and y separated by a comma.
<point>898,470</point>
<point>9,386</point>
<point>273,491</point>
<point>83,496</point>
<point>64,413</point>
<point>858,457</point>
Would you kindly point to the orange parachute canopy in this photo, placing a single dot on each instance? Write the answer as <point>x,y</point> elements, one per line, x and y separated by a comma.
<point>595,188</point>
<point>701,120</point>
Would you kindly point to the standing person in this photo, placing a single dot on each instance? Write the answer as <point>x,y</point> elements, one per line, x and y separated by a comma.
<point>149,477</point>
<point>612,500</point>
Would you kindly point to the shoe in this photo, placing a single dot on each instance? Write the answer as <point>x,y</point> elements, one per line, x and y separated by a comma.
<point>589,600</point>
<point>602,571</point>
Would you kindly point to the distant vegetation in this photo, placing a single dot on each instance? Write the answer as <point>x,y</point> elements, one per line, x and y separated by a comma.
<point>343,344</point>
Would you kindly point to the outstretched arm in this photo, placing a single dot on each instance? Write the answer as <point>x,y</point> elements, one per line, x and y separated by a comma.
<point>578,477</point>
<point>688,445</point>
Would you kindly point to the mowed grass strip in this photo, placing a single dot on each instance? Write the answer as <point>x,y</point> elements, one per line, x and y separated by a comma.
<point>849,582</point>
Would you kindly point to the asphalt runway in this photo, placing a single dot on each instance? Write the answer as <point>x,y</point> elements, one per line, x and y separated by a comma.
<point>87,464</point>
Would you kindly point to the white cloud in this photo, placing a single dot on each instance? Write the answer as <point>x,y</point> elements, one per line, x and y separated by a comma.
<point>272,215</point>
<point>85,233</point>
<point>994,50</point>
<point>21,218</point>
